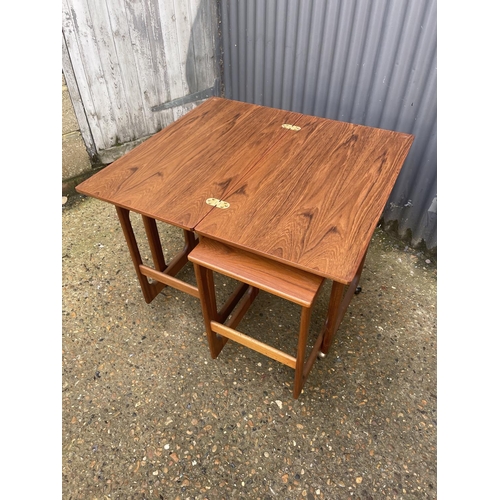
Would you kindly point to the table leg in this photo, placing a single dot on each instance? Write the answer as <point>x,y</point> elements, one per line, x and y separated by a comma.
<point>154,243</point>
<point>180,260</point>
<point>300,376</point>
<point>162,274</point>
<point>205,280</point>
<point>339,301</point>
<point>233,310</point>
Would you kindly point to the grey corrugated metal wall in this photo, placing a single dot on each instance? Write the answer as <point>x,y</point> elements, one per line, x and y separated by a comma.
<point>371,62</point>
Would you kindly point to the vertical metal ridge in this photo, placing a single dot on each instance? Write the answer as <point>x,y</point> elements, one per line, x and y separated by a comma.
<point>357,45</point>
<point>324,86</point>
<point>269,52</point>
<point>227,83</point>
<point>371,62</point>
<point>242,52</point>
<point>250,41</point>
<point>260,50</point>
<point>321,52</point>
<point>280,41</point>
<point>302,69</point>
<point>357,107</point>
<point>289,55</point>
<point>374,54</point>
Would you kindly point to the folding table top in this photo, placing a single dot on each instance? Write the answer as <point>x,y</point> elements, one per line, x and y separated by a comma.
<point>302,190</point>
<point>202,155</point>
<point>315,199</point>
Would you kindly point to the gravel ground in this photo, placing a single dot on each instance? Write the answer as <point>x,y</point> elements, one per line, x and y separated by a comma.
<point>148,414</point>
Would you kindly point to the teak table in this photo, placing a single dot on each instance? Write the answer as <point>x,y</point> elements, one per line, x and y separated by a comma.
<point>300,190</point>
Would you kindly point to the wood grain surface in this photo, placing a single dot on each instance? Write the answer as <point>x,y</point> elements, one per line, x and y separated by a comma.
<point>202,155</point>
<point>314,201</point>
<point>268,275</point>
<point>308,197</point>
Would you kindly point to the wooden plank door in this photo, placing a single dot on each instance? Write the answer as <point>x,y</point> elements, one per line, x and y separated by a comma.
<point>135,66</point>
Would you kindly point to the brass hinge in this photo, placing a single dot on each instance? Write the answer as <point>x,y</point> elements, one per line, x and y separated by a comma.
<point>214,202</point>
<point>290,127</point>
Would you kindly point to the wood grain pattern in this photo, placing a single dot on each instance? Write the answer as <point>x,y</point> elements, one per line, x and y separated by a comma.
<point>284,281</point>
<point>309,198</point>
<point>256,345</point>
<point>314,201</point>
<point>202,155</point>
<point>128,57</point>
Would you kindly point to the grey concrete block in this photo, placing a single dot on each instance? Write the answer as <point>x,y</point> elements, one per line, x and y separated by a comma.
<point>69,121</point>
<point>75,159</point>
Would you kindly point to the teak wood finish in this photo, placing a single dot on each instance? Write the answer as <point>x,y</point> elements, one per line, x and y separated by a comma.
<point>169,177</point>
<point>289,283</point>
<point>300,191</point>
<point>319,195</point>
<point>205,154</point>
<point>284,281</point>
<point>162,274</point>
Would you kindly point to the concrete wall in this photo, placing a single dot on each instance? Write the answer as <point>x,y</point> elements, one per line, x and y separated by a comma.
<point>76,163</point>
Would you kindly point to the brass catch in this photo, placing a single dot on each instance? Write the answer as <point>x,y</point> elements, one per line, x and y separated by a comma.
<point>214,202</point>
<point>290,127</point>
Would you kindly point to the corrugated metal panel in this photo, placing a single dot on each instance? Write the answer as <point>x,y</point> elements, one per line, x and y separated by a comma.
<point>371,62</point>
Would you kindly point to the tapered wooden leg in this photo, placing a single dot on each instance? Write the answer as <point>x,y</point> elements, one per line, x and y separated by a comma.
<point>181,259</point>
<point>148,291</point>
<point>337,307</point>
<point>332,314</point>
<point>305,319</point>
<point>162,274</point>
<point>231,302</point>
<point>154,243</point>
<point>205,280</point>
<point>190,240</point>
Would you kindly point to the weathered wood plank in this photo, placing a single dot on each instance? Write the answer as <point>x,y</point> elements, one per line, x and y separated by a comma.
<point>76,99</point>
<point>177,24</point>
<point>161,79</point>
<point>139,20</point>
<point>200,60</point>
<point>128,74</point>
<point>129,56</point>
<point>120,125</point>
<point>78,33</point>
